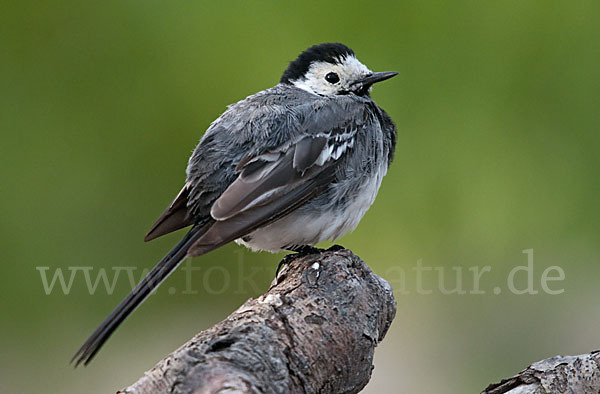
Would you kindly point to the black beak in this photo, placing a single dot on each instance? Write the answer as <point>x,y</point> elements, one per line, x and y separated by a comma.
<point>375,77</point>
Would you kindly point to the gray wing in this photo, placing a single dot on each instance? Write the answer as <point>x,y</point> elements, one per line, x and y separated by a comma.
<point>267,188</point>
<point>258,162</point>
<point>265,178</point>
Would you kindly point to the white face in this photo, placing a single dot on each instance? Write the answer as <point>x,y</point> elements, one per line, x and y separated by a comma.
<point>319,78</point>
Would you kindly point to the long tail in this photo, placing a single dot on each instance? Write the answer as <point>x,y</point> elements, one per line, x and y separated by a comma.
<point>154,278</point>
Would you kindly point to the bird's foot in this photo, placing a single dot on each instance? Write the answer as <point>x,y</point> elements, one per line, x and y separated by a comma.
<point>284,261</point>
<point>302,250</point>
<point>335,248</point>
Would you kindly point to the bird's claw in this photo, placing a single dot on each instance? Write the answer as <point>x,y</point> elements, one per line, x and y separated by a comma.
<point>301,251</point>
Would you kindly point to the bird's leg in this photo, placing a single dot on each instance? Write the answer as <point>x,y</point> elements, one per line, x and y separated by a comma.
<point>301,250</point>
<point>284,261</point>
<point>335,248</point>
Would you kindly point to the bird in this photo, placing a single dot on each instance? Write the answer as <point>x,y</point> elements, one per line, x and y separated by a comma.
<point>283,169</point>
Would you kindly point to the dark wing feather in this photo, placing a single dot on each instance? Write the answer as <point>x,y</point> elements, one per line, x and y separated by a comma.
<point>307,152</point>
<point>267,176</point>
<point>175,217</point>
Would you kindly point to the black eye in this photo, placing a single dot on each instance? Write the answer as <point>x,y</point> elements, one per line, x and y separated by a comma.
<point>332,78</point>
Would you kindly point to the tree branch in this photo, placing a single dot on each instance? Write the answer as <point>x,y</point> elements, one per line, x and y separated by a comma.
<point>560,374</point>
<point>314,330</point>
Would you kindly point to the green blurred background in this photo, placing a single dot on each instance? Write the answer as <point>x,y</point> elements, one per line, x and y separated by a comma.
<point>498,114</point>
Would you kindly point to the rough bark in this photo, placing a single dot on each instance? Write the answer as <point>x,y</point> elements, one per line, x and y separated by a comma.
<point>313,331</point>
<point>560,374</point>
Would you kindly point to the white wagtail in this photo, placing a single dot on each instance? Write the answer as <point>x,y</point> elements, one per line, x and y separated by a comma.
<point>283,169</point>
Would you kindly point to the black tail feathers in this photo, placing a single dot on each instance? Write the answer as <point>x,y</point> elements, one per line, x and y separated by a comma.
<point>154,278</point>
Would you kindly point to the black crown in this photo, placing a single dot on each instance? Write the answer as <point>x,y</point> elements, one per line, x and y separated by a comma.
<point>328,52</point>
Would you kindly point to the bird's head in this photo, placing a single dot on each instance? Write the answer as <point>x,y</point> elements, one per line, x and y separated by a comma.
<point>332,69</point>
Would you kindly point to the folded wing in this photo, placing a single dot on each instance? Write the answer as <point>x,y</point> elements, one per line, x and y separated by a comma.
<point>268,187</point>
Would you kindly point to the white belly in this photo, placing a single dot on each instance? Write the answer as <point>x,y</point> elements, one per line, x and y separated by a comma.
<point>312,224</point>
